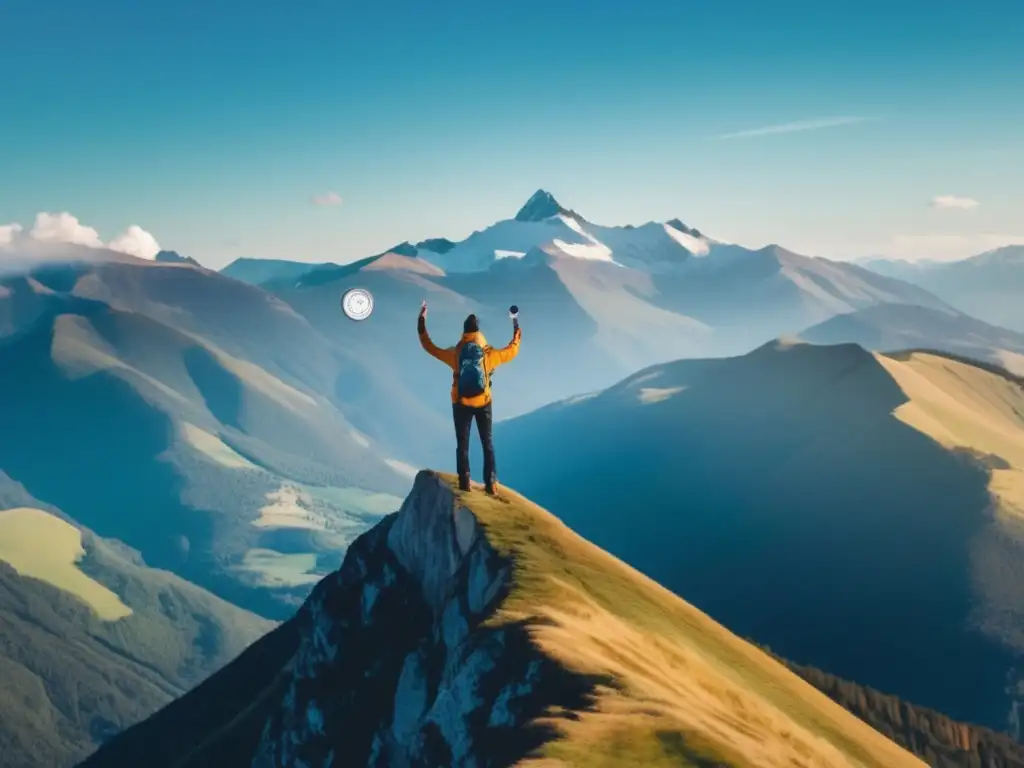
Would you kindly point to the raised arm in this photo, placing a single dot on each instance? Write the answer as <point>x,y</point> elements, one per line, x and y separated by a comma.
<point>500,356</point>
<point>446,356</point>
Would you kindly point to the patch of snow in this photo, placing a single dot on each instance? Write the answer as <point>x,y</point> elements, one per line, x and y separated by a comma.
<point>591,248</point>
<point>694,245</point>
<point>574,225</point>
<point>650,395</point>
<point>652,247</point>
<point>595,251</point>
<point>480,250</point>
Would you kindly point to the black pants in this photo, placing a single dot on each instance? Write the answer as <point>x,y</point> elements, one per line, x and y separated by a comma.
<point>464,415</point>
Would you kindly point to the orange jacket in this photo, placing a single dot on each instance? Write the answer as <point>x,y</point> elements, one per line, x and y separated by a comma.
<point>450,357</point>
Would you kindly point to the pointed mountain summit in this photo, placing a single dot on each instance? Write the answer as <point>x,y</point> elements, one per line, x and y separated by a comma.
<point>678,224</point>
<point>542,205</point>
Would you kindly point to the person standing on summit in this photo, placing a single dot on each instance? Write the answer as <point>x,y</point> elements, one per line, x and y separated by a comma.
<point>472,362</point>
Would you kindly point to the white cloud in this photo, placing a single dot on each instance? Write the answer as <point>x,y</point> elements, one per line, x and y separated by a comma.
<point>136,241</point>
<point>954,202</point>
<point>800,125</point>
<point>65,229</point>
<point>8,233</point>
<point>328,198</point>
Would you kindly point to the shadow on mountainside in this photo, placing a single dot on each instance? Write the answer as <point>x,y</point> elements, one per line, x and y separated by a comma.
<point>324,687</point>
<point>221,390</point>
<point>778,493</point>
<point>89,446</point>
<point>95,449</point>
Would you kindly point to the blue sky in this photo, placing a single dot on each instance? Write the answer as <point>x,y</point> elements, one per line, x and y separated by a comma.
<point>213,124</point>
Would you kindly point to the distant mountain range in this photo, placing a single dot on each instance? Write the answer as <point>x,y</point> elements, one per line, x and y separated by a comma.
<point>259,271</point>
<point>596,303</point>
<point>207,445</point>
<point>893,327</point>
<point>199,398</point>
<point>165,441</point>
<point>988,286</point>
<point>855,512</point>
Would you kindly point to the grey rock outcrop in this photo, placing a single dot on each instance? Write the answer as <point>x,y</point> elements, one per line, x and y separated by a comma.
<point>394,666</point>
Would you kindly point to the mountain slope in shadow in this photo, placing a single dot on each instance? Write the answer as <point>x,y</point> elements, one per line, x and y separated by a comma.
<point>891,327</point>
<point>830,503</point>
<point>987,286</point>
<point>91,640</point>
<point>165,441</point>
<point>465,630</point>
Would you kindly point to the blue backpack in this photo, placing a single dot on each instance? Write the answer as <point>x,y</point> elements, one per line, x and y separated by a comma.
<point>472,378</point>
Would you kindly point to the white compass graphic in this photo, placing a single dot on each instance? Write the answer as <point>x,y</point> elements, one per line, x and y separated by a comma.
<point>357,303</point>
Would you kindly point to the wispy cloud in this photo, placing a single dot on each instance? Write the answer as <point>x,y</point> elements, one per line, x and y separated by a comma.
<point>328,198</point>
<point>954,202</point>
<point>800,125</point>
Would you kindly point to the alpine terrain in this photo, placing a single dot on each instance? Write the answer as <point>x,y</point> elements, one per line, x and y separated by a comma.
<point>195,402</point>
<point>598,302</point>
<point>464,631</point>
<point>92,640</point>
<point>856,512</point>
<point>988,286</point>
<point>894,327</point>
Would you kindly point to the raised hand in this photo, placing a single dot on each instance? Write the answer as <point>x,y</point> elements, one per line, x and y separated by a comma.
<point>423,309</point>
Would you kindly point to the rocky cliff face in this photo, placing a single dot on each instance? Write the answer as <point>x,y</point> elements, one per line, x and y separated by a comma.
<point>416,653</point>
<point>395,665</point>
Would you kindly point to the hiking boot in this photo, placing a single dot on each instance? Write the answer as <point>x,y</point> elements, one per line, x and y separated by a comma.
<point>491,488</point>
<point>464,483</point>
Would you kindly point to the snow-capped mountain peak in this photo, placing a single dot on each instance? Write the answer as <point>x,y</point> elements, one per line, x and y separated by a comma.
<point>545,224</point>
<point>541,205</point>
<point>678,225</point>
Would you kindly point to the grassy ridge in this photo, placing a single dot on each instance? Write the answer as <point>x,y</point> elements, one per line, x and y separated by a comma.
<point>684,687</point>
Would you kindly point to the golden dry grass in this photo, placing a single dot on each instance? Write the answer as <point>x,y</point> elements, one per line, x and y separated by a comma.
<point>40,546</point>
<point>962,406</point>
<point>688,692</point>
